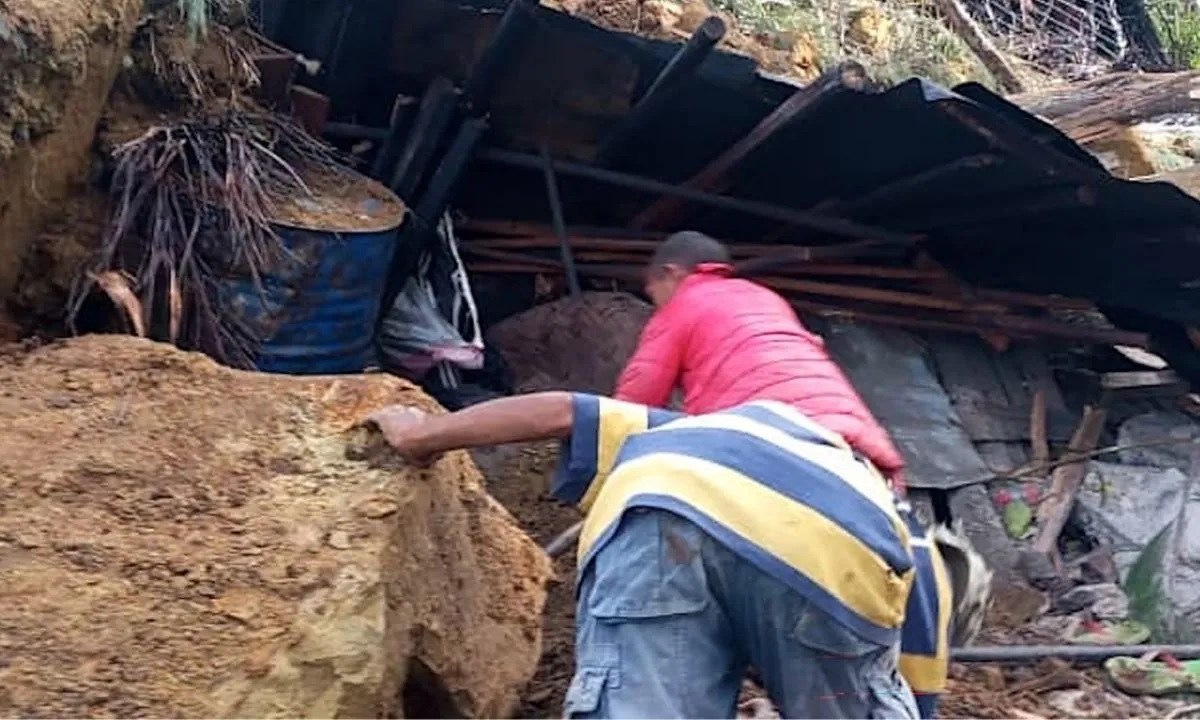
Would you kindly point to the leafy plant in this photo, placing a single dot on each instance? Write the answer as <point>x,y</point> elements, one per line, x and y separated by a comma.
<point>1148,601</point>
<point>1178,26</point>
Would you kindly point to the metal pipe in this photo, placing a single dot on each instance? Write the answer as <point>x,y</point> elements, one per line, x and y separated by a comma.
<point>714,176</point>
<point>1082,653</point>
<point>417,230</point>
<point>834,226</point>
<point>560,227</point>
<point>434,114</point>
<point>354,132</point>
<point>385,156</point>
<point>686,61</point>
<point>564,540</point>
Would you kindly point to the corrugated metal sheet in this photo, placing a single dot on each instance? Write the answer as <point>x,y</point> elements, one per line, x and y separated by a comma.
<point>890,370</point>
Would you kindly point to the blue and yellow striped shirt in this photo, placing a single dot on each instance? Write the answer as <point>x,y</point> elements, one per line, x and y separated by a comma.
<point>762,479</point>
<point>925,638</point>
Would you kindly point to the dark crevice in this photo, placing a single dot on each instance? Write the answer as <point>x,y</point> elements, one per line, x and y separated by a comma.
<point>940,500</point>
<point>424,695</point>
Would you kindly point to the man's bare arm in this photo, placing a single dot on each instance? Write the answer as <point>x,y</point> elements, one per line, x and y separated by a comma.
<point>538,416</point>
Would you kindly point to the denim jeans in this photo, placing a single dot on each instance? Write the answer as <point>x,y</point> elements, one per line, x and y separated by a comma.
<point>668,620</point>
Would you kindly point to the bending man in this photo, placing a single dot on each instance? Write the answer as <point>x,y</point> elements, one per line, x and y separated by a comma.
<point>751,535</point>
<point>726,341</point>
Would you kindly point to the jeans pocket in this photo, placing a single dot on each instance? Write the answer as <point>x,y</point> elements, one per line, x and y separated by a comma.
<point>819,632</point>
<point>650,568</point>
<point>598,668</point>
<point>891,697</point>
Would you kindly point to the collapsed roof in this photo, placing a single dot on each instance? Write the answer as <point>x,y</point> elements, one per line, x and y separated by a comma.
<point>997,195</point>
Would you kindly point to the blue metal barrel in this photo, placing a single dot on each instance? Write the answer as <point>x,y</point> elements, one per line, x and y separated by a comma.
<point>319,305</point>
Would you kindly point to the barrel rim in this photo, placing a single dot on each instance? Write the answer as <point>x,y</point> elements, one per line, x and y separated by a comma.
<point>335,231</point>
<point>366,180</point>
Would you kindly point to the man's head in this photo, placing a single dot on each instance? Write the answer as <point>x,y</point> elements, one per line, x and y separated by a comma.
<point>676,258</point>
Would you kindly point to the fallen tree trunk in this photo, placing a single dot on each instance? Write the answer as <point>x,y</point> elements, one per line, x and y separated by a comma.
<point>1121,98</point>
<point>184,540</point>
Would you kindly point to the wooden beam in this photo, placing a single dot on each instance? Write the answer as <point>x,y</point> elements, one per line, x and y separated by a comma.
<point>963,25</point>
<point>1065,483</point>
<point>768,211</point>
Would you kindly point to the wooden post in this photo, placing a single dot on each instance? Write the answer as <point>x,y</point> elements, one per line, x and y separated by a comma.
<point>1065,483</point>
<point>976,38</point>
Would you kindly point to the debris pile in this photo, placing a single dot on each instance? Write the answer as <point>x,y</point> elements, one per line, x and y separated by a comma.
<point>1136,124</point>
<point>208,542</point>
<point>835,282</point>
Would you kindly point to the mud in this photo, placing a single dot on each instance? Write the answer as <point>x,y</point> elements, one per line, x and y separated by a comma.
<point>181,539</point>
<point>53,262</point>
<point>573,343</point>
<point>518,477</point>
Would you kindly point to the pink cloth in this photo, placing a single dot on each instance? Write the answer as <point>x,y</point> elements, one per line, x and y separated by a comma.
<point>727,341</point>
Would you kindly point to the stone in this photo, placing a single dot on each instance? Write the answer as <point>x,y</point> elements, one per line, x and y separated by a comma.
<point>166,569</point>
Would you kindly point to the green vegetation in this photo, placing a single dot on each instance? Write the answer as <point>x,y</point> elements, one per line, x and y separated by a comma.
<point>1178,26</point>
<point>894,40</point>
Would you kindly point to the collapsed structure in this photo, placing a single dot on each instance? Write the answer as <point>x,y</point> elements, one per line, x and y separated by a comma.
<point>980,276</point>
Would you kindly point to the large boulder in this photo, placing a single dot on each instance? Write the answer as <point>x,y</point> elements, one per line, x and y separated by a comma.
<point>181,539</point>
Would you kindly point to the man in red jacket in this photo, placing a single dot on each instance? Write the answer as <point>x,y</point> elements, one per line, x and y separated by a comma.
<point>726,341</point>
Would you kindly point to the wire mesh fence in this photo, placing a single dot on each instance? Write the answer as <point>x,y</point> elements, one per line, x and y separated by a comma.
<point>1068,37</point>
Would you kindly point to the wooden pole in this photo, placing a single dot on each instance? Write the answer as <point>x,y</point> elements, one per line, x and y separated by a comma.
<point>715,175</point>
<point>1065,483</point>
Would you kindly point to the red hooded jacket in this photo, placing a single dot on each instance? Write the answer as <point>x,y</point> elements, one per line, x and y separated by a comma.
<point>727,341</point>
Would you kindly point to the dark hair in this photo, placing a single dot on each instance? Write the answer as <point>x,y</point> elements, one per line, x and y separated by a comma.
<point>688,249</point>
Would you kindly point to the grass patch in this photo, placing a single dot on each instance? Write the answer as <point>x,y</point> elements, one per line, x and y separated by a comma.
<point>894,40</point>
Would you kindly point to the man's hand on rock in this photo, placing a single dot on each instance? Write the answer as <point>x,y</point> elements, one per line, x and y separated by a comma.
<point>402,428</point>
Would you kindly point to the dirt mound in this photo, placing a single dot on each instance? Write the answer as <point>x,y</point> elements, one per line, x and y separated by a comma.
<point>44,47</point>
<point>676,20</point>
<point>58,60</point>
<point>180,539</point>
<point>572,343</point>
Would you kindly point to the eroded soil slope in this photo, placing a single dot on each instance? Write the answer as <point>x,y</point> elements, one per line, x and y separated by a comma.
<point>180,539</point>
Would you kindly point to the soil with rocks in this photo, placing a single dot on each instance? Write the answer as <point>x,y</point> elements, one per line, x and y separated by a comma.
<point>675,21</point>
<point>58,60</point>
<point>44,48</point>
<point>340,200</point>
<point>181,539</point>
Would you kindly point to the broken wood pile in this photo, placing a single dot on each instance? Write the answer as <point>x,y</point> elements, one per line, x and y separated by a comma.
<point>852,281</point>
